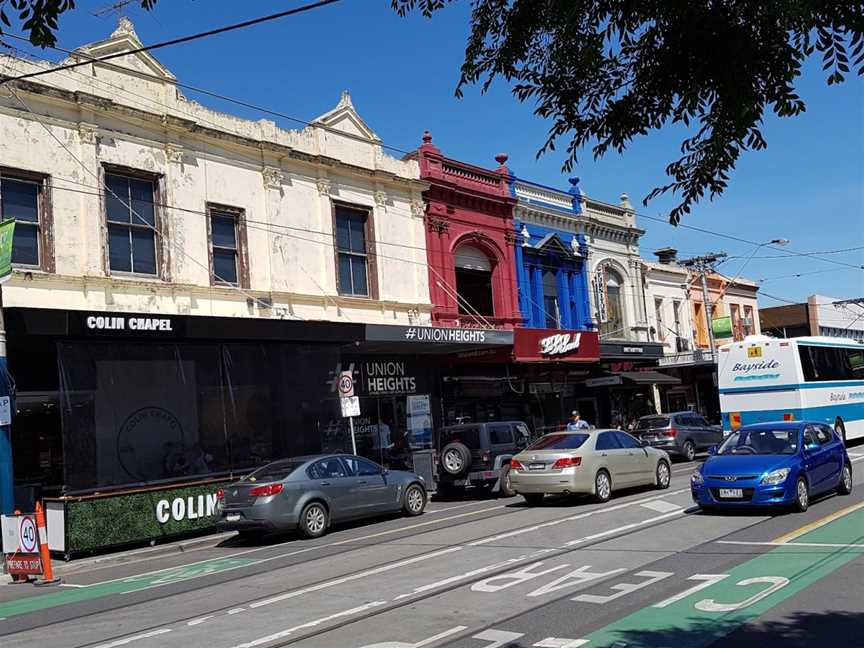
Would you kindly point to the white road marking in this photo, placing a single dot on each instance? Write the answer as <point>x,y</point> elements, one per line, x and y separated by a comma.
<point>497,637</point>
<point>560,642</point>
<point>440,635</point>
<point>345,579</point>
<point>827,545</point>
<point>571,518</point>
<point>71,585</point>
<point>235,611</point>
<point>128,640</point>
<point>310,624</point>
<point>661,506</point>
<point>626,527</point>
<point>200,620</point>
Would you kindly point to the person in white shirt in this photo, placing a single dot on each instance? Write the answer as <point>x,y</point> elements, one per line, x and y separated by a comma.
<point>576,422</point>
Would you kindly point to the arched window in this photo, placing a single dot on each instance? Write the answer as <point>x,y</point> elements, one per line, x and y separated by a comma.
<point>613,327</point>
<point>474,280</point>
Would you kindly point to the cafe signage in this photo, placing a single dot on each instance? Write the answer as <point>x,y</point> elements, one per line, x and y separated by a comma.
<point>128,323</point>
<point>560,343</point>
<point>550,345</point>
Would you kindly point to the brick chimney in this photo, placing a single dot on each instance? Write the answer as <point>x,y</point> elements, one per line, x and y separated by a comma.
<point>667,256</point>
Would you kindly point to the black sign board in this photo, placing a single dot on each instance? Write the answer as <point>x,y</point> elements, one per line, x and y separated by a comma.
<point>428,335</point>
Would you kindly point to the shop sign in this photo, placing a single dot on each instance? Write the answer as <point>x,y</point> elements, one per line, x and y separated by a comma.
<point>550,345</point>
<point>388,377</point>
<point>5,410</point>
<point>421,335</point>
<point>601,295</point>
<point>722,327</point>
<point>7,230</point>
<point>135,323</point>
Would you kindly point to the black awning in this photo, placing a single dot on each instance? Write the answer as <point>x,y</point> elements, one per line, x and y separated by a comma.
<point>649,378</point>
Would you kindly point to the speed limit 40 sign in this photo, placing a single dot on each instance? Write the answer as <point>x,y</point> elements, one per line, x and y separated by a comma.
<point>19,534</point>
<point>346,384</point>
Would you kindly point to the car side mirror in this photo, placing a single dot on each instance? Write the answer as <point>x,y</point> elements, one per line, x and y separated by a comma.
<point>811,447</point>
<point>712,450</point>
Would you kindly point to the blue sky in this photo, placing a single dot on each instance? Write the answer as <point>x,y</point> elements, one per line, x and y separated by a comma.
<point>808,186</point>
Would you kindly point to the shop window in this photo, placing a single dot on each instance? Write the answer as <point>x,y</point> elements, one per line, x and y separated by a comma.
<point>737,328</point>
<point>658,315</point>
<point>353,259</point>
<point>613,327</point>
<point>551,308</point>
<point>701,327</point>
<point>748,326</point>
<point>228,261</point>
<point>130,209</point>
<point>474,281</point>
<point>23,198</point>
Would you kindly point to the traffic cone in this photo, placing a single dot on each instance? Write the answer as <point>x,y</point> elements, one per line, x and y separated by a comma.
<point>44,553</point>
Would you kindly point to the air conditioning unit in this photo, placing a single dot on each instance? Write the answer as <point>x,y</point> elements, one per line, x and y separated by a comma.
<point>682,344</point>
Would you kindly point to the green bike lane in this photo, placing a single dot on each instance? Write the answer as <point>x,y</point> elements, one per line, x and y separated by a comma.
<point>718,604</point>
<point>64,595</point>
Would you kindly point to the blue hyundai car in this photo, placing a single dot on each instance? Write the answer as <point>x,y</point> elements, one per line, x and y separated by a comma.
<point>773,464</point>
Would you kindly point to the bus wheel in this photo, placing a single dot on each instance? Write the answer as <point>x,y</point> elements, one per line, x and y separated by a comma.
<point>840,429</point>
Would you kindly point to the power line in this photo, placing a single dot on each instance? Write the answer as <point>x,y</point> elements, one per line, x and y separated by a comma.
<point>182,39</point>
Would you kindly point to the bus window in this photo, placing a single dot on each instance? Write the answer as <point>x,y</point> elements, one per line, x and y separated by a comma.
<point>827,363</point>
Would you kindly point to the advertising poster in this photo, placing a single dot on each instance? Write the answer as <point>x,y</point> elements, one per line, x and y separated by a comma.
<point>420,420</point>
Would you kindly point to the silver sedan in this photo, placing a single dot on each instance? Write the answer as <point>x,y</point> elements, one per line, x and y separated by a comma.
<point>588,461</point>
<point>309,493</point>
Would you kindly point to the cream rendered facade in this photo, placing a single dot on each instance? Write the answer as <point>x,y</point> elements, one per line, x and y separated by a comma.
<point>129,114</point>
<point>669,307</point>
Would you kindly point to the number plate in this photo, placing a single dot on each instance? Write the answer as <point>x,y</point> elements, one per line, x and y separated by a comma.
<point>232,517</point>
<point>731,493</point>
<point>537,466</point>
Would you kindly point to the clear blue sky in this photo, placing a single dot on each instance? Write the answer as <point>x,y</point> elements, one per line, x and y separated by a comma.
<point>808,186</point>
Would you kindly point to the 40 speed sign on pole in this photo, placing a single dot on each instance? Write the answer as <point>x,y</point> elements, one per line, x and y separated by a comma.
<point>350,403</point>
<point>21,545</point>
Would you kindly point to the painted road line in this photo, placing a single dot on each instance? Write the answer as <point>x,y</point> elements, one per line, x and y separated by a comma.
<point>572,518</point>
<point>311,624</point>
<point>439,636</point>
<point>128,640</point>
<point>661,506</point>
<point>826,545</point>
<point>713,609</point>
<point>626,527</point>
<point>560,642</point>
<point>347,579</point>
<point>200,620</point>
<point>807,528</point>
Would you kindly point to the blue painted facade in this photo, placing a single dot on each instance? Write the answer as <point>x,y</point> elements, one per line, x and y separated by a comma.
<point>547,257</point>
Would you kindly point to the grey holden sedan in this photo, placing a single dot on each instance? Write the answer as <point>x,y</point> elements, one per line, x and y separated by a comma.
<point>309,493</point>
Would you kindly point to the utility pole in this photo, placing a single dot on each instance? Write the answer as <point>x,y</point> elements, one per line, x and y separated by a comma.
<point>704,265</point>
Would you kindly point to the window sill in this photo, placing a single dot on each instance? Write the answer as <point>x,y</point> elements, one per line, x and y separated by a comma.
<point>133,276</point>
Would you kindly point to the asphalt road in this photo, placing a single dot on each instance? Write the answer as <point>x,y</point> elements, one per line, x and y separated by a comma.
<point>643,570</point>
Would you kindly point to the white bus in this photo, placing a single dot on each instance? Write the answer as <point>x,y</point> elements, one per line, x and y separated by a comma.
<point>808,378</point>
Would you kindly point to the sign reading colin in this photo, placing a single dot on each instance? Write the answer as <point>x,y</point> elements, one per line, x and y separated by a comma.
<point>548,345</point>
<point>126,325</point>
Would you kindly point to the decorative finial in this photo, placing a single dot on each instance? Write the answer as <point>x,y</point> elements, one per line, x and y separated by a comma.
<point>625,201</point>
<point>124,28</point>
<point>427,137</point>
<point>501,158</point>
<point>526,236</point>
<point>345,100</point>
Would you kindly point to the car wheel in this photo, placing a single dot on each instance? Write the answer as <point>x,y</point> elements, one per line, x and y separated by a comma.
<point>602,486</point>
<point>840,429</point>
<point>313,520</point>
<point>802,495</point>
<point>414,500</point>
<point>533,499</point>
<point>506,487</point>
<point>845,486</point>
<point>456,459</point>
<point>689,450</point>
<point>664,475</point>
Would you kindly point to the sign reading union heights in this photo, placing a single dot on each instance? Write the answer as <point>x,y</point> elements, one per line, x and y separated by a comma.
<point>437,335</point>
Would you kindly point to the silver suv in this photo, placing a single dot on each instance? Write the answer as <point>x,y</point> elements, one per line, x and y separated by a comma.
<point>680,433</point>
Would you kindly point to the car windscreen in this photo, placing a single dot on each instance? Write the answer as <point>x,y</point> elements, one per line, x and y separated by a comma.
<point>760,442</point>
<point>651,422</point>
<point>468,435</point>
<point>276,471</point>
<point>559,442</point>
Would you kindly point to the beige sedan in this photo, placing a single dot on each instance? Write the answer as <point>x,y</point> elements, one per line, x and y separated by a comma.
<point>588,461</point>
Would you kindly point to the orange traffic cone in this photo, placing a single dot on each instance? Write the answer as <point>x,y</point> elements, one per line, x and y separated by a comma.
<point>44,553</point>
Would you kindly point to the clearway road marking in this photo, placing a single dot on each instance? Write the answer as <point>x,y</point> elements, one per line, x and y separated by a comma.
<point>661,506</point>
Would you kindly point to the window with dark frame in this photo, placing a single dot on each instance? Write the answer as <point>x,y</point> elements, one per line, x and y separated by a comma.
<point>551,310</point>
<point>131,216</point>
<point>225,245</point>
<point>351,251</point>
<point>20,200</point>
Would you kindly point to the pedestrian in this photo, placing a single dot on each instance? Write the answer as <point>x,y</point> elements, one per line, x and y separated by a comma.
<point>576,422</point>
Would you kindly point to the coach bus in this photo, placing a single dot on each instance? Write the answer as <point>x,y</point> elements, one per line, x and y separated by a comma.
<point>808,378</point>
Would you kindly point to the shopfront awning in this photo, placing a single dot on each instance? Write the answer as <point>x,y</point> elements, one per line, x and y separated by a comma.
<point>649,378</point>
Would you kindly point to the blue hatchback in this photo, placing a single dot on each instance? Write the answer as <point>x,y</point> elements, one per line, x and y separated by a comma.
<point>773,464</point>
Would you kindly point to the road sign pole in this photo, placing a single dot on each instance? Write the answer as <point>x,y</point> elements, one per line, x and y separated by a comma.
<point>7,479</point>
<point>353,440</point>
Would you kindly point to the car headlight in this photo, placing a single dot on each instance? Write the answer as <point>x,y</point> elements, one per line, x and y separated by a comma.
<point>776,477</point>
<point>696,479</point>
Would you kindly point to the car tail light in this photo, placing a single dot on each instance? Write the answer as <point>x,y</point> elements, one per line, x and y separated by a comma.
<point>220,494</point>
<point>516,465</point>
<point>267,490</point>
<point>671,433</point>
<point>567,462</point>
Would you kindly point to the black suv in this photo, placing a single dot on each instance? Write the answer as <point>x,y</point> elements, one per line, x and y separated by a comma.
<point>679,433</point>
<point>478,454</point>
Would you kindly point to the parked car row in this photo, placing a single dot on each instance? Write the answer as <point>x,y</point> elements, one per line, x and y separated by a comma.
<point>767,464</point>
